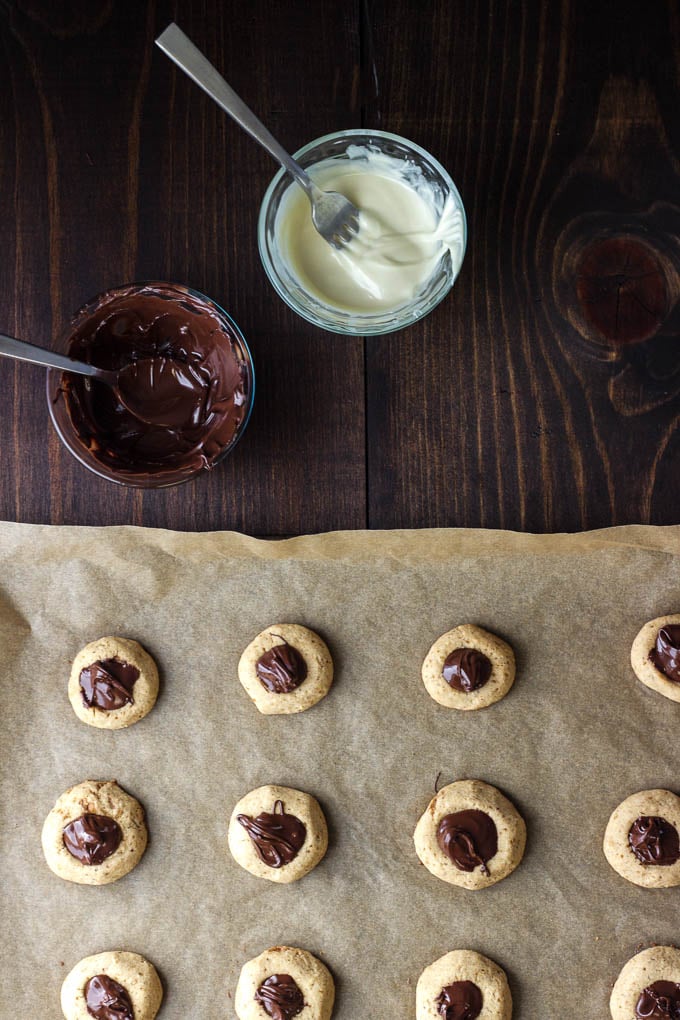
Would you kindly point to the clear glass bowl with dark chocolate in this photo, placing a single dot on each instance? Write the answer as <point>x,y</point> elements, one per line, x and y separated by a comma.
<point>184,344</point>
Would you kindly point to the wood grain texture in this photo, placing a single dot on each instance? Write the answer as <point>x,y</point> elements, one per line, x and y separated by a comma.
<point>541,395</point>
<point>506,408</point>
<point>114,168</point>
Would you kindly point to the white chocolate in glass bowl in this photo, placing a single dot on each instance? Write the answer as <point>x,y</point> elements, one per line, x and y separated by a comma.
<point>401,240</point>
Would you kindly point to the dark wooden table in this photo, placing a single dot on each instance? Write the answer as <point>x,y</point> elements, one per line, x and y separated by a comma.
<point>541,395</point>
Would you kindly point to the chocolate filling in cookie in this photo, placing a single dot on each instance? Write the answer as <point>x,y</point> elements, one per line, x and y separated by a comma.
<point>653,840</point>
<point>280,997</point>
<point>107,1000</point>
<point>660,1001</point>
<point>665,654</point>
<point>282,669</point>
<point>466,669</point>
<point>108,684</point>
<point>278,837</point>
<point>460,1001</point>
<point>469,839</point>
<point>92,838</point>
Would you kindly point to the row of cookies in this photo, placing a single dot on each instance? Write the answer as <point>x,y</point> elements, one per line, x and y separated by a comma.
<point>121,985</point>
<point>114,681</point>
<point>470,835</point>
<point>284,981</point>
<point>96,833</point>
<point>288,668</point>
<point>469,668</point>
<point>464,985</point>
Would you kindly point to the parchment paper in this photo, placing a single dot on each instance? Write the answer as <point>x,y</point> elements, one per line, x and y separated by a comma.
<point>576,735</point>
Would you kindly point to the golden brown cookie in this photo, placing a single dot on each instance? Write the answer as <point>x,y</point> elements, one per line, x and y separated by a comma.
<point>641,840</point>
<point>470,835</point>
<point>286,668</point>
<point>113,683</point>
<point>469,984</point>
<point>278,833</point>
<point>468,668</point>
<point>125,982</point>
<point>94,834</point>
<point>648,985</point>
<point>655,656</point>
<point>284,977</point>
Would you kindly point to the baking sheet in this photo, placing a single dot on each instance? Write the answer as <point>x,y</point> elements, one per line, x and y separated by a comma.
<point>574,737</point>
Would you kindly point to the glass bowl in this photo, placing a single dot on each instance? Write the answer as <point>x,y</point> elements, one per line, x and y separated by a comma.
<point>421,166</point>
<point>165,473</point>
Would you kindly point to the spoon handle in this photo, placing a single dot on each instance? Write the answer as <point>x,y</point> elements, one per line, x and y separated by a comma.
<point>179,47</point>
<point>13,348</point>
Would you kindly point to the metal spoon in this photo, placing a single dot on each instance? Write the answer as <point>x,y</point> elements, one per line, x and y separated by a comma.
<point>333,215</point>
<point>131,383</point>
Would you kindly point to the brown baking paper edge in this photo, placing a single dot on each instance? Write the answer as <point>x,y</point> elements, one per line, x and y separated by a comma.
<point>576,735</point>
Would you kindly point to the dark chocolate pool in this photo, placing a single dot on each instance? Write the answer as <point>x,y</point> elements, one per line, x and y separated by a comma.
<point>192,365</point>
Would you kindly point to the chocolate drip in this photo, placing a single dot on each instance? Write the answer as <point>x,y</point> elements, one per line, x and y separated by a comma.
<point>659,1001</point>
<point>469,839</point>
<point>108,684</point>
<point>466,669</point>
<point>666,652</point>
<point>461,1000</point>
<point>653,840</point>
<point>282,669</point>
<point>278,837</point>
<point>92,838</point>
<point>107,1000</point>
<point>280,997</point>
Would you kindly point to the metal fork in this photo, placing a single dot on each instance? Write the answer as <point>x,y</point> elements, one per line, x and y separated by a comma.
<point>333,215</point>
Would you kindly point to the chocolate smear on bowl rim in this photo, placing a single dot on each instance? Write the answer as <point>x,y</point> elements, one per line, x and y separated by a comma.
<point>184,362</point>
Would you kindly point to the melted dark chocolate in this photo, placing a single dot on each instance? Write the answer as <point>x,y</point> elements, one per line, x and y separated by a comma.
<point>468,838</point>
<point>466,669</point>
<point>108,684</point>
<point>191,374</point>
<point>277,837</point>
<point>92,838</point>
<point>461,1000</point>
<point>281,669</point>
<point>107,1000</point>
<point>665,654</point>
<point>659,1001</point>
<point>653,840</point>
<point>280,997</point>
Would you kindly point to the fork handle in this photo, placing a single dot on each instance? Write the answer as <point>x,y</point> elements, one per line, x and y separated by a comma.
<point>10,347</point>
<point>179,47</point>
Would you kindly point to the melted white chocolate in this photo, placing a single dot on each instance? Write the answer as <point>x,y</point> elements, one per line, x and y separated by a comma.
<point>400,243</point>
